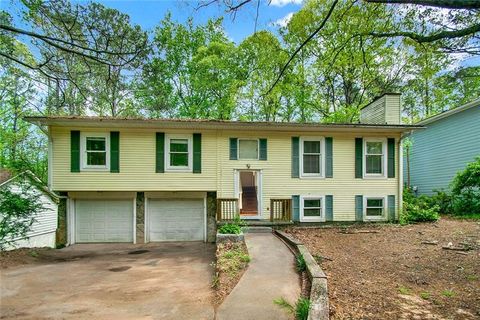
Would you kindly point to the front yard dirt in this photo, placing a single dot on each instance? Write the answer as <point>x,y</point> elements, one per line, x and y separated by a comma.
<point>399,272</point>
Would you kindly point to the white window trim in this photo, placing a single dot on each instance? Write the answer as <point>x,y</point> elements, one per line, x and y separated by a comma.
<point>322,156</point>
<point>322,217</point>
<point>383,175</point>
<point>383,217</point>
<point>168,167</point>
<point>248,139</point>
<point>83,151</point>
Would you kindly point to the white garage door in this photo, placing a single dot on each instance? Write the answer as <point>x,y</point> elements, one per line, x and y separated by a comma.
<point>104,221</point>
<point>176,219</point>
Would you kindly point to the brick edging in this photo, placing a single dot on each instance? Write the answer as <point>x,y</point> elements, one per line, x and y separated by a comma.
<point>319,309</point>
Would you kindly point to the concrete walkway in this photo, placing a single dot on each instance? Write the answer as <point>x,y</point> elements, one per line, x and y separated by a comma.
<point>270,275</point>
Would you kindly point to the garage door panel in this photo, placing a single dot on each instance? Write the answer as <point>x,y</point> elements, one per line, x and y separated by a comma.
<point>176,219</point>
<point>104,220</point>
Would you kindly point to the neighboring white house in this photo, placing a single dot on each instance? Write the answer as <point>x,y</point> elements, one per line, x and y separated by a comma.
<point>43,230</point>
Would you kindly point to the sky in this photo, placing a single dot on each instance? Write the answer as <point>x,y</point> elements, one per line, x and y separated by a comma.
<point>148,13</point>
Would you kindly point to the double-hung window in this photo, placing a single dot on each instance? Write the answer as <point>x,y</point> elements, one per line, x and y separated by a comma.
<point>374,162</point>
<point>311,208</point>
<point>312,162</point>
<point>374,208</point>
<point>95,151</point>
<point>178,152</point>
<point>248,149</point>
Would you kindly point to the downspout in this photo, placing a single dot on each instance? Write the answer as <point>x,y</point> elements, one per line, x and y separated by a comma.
<point>400,170</point>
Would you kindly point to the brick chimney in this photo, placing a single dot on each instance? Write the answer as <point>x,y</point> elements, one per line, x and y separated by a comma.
<point>385,109</point>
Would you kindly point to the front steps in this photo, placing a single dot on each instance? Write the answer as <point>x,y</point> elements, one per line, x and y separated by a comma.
<point>257,230</point>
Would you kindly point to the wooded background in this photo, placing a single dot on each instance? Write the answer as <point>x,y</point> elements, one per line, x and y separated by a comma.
<point>332,58</point>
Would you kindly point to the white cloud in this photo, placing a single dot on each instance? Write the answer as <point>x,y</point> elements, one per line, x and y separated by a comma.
<point>282,22</point>
<point>282,3</point>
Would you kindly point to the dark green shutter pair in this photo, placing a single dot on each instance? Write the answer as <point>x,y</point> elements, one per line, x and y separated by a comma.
<point>359,157</point>
<point>114,151</point>
<point>391,205</point>
<point>296,157</point>
<point>160,152</point>
<point>262,152</point>
<point>328,208</point>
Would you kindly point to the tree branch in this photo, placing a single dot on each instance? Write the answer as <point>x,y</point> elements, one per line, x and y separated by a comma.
<point>310,37</point>
<point>448,4</point>
<point>429,38</point>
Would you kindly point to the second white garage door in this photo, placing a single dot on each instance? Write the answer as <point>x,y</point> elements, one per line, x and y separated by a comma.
<point>176,219</point>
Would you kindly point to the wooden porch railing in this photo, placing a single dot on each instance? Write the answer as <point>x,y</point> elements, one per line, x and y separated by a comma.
<point>227,208</point>
<point>280,210</point>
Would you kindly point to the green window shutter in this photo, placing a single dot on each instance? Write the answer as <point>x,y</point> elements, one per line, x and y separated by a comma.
<point>263,149</point>
<point>391,208</point>
<point>358,208</point>
<point>197,153</point>
<point>329,208</point>
<point>329,157</point>
<point>114,151</point>
<point>391,157</point>
<point>160,152</point>
<point>233,149</point>
<point>295,157</point>
<point>358,158</point>
<point>74,151</point>
<point>296,208</point>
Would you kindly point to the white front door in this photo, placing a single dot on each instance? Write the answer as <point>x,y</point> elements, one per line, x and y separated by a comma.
<point>103,221</point>
<point>176,219</point>
<point>240,189</point>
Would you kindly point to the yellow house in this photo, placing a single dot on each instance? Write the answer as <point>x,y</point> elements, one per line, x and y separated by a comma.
<point>142,180</point>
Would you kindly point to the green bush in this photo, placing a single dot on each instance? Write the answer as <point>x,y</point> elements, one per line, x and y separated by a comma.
<point>418,209</point>
<point>230,228</point>
<point>466,190</point>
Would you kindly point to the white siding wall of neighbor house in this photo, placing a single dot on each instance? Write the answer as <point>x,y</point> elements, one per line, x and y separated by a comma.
<point>43,230</point>
<point>444,148</point>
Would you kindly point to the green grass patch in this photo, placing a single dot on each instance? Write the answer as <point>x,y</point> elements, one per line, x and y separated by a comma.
<point>404,290</point>
<point>425,295</point>
<point>300,309</point>
<point>233,258</point>
<point>448,293</point>
<point>301,264</point>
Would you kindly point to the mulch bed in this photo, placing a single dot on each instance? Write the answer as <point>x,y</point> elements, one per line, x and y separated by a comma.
<point>229,269</point>
<point>400,272</point>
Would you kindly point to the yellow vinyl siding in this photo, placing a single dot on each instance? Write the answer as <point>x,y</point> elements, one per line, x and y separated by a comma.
<point>137,168</point>
<point>137,165</point>
<point>278,183</point>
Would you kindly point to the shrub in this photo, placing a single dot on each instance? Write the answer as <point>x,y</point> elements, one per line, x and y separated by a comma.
<point>466,190</point>
<point>230,228</point>
<point>418,209</point>
<point>443,200</point>
<point>17,212</point>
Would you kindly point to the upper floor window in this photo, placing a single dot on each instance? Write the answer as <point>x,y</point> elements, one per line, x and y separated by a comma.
<point>375,151</point>
<point>95,154</point>
<point>248,149</point>
<point>312,159</point>
<point>179,152</point>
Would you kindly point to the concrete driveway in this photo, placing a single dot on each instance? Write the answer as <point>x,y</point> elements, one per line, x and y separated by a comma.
<point>112,281</point>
